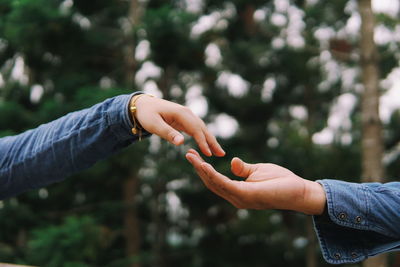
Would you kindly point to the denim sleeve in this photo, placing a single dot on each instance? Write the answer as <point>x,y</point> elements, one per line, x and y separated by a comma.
<point>361,220</point>
<point>69,144</point>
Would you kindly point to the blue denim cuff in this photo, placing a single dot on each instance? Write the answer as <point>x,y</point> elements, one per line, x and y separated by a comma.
<point>347,208</point>
<point>118,118</point>
<point>348,231</point>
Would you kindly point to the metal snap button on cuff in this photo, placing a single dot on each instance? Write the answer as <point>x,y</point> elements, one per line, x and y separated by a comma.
<point>337,256</point>
<point>358,219</point>
<point>342,216</point>
<point>354,255</point>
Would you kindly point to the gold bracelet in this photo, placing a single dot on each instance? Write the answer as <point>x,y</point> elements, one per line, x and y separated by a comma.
<point>137,128</point>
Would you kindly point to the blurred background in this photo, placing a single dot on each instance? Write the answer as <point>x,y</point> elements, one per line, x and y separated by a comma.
<point>276,80</point>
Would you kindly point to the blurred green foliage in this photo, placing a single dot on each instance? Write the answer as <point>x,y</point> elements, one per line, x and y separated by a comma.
<point>74,51</point>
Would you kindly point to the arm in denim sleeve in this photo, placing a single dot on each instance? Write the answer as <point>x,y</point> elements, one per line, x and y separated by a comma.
<point>360,220</point>
<point>69,144</point>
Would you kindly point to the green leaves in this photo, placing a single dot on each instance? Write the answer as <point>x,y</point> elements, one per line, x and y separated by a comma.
<point>73,243</point>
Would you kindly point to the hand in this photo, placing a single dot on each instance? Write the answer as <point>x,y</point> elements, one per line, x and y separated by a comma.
<point>266,186</point>
<point>167,119</point>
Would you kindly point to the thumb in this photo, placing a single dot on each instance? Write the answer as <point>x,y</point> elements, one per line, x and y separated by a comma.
<point>168,133</point>
<point>241,168</point>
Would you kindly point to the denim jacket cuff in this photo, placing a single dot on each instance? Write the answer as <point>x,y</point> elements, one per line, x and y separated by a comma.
<point>119,118</point>
<point>359,221</point>
<point>340,230</point>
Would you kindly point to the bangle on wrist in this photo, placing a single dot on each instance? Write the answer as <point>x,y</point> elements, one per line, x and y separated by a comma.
<point>137,128</point>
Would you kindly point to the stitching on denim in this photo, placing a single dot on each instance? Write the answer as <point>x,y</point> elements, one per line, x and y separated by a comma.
<point>45,150</point>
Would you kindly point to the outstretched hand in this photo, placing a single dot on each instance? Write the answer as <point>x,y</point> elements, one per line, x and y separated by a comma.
<point>167,119</point>
<point>265,186</point>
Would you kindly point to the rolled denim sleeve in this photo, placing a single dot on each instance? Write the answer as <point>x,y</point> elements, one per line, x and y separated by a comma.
<point>361,220</point>
<point>69,144</point>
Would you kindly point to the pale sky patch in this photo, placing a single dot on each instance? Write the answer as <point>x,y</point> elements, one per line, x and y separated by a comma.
<point>217,20</point>
<point>286,14</point>
<point>324,34</point>
<point>340,112</point>
<point>194,6</point>
<point>349,76</point>
<point>298,112</point>
<point>353,24</point>
<point>384,35</point>
<point>18,71</point>
<point>273,142</point>
<point>278,19</point>
<point>260,15</point>
<point>223,126</point>
<point>205,23</point>
<point>278,42</point>
<point>82,21</point>
<point>213,55</point>
<point>3,44</point>
<point>389,7</point>
<point>235,84</point>
<point>390,100</point>
<point>311,2</point>
<point>106,82</point>
<point>175,209</point>
<point>2,83</point>
<point>324,137</point>
<point>66,6</point>
<point>281,5</point>
<point>295,27</point>
<point>142,50</point>
<point>196,101</point>
<point>37,91</point>
<point>150,87</point>
<point>268,89</point>
<point>148,70</point>
<point>339,120</point>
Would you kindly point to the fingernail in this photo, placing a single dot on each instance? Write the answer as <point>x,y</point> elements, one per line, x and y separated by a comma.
<point>189,159</point>
<point>177,139</point>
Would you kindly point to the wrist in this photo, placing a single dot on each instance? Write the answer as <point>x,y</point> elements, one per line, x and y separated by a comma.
<point>315,198</point>
<point>133,110</point>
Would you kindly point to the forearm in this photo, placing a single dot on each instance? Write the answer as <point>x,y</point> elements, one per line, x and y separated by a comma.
<point>55,150</point>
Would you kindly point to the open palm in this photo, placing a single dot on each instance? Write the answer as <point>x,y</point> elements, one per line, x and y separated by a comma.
<point>265,186</point>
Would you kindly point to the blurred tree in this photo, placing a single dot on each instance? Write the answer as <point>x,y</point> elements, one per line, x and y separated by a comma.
<point>266,75</point>
<point>372,140</point>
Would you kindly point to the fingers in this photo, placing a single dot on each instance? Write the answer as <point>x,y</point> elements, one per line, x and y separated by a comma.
<point>241,168</point>
<point>195,127</point>
<point>222,185</point>
<point>213,143</point>
<point>216,182</point>
<point>194,152</point>
<point>166,132</point>
<point>201,141</point>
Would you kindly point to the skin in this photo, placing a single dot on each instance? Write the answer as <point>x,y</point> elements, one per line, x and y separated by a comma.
<point>265,186</point>
<point>167,120</point>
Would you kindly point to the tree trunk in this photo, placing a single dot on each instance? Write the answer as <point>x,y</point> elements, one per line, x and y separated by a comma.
<point>311,260</point>
<point>372,142</point>
<point>159,218</point>
<point>310,103</point>
<point>131,221</point>
<point>134,14</point>
<point>131,184</point>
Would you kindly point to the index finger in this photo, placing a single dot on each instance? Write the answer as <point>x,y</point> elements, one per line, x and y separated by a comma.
<point>196,162</point>
<point>195,127</point>
<point>213,143</point>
